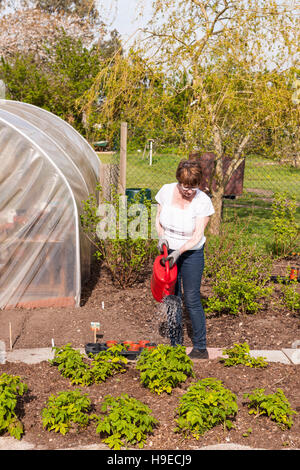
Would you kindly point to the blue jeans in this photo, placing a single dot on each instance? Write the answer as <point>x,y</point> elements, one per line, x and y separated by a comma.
<point>190,269</point>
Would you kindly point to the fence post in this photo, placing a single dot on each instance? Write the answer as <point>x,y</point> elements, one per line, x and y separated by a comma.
<point>123,158</point>
<point>150,151</point>
<point>109,178</point>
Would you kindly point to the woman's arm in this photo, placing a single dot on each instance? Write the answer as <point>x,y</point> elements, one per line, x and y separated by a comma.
<point>201,223</point>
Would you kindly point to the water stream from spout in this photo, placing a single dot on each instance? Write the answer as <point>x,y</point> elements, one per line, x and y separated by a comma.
<point>170,313</point>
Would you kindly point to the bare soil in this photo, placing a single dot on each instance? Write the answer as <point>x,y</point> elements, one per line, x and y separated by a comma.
<point>132,314</point>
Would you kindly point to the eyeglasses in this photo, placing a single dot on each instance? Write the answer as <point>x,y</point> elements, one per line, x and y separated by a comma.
<point>185,188</point>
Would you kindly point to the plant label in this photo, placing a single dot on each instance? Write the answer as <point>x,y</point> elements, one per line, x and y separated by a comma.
<point>95,326</point>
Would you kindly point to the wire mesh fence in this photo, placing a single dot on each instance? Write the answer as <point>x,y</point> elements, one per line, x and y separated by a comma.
<point>262,179</point>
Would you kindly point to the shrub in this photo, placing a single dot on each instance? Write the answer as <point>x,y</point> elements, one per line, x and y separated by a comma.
<point>128,421</point>
<point>285,228</point>
<point>11,387</point>
<point>238,275</point>
<point>290,297</point>
<point>204,405</point>
<point>237,290</point>
<point>127,258</point>
<point>232,248</point>
<point>276,406</point>
<point>240,354</point>
<point>164,367</point>
<point>71,365</point>
<point>65,410</point>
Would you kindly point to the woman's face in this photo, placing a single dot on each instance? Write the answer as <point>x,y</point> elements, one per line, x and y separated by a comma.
<point>187,192</point>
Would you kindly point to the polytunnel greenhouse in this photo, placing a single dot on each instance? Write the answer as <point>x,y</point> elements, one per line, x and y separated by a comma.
<point>46,170</point>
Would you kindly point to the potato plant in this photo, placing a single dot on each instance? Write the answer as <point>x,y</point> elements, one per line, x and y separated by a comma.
<point>127,421</point>
<point>206,404</point>
<point>73,365</point>
<point>164,367</point>
<point>11,388</point>
<point>66,410</point>
<point>240,354</point>
<point>276,406</point>
<point>108,363</point>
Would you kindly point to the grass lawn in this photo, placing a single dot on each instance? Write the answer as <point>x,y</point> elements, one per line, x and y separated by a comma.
<point>260,174</point>
<point>272,177</point>
<point>253,209</point>
<point>262,177</point>
<point>142,175</point>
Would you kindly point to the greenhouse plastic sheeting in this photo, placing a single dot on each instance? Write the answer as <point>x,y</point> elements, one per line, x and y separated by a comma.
<point>46,170</point>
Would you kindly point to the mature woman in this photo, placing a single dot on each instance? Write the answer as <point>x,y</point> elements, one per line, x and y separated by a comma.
<point>183,213</point>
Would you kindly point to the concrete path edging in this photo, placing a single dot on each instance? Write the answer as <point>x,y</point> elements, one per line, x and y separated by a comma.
<point>36,355</point>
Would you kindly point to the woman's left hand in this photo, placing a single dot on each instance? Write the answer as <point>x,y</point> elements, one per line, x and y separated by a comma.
<point>172,258</point>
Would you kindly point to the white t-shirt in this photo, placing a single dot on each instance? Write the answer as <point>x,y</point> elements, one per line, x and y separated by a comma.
<point>179,224</point>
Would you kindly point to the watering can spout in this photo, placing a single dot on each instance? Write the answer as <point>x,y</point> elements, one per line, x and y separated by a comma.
<point>163,278</point>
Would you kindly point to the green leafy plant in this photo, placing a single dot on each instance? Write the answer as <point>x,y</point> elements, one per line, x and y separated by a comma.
<point>206,404</point>
<point>247,433</point>
<point>11,388</point>
<point>240,354</point>
<point>234,248</point>
<point>285,228</point>
<point>237,290</point>
<point>276,406</point>
<point>128,421</point>
<point>65,410</point>
<point>290,297</point>
<point>57,82</point>
<point>126,256</point>
<point>71,364</point>
<point>164,367</point>
<point>108,363</point>
<point>239,274</point>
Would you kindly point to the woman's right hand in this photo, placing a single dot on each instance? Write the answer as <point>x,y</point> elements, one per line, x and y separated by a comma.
<point>161,243</point>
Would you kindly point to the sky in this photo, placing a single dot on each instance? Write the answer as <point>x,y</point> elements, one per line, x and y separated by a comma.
<point>123,15</point>
<point>119,14</point>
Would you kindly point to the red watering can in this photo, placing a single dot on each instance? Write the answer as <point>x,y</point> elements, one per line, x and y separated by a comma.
<point>163,278</point>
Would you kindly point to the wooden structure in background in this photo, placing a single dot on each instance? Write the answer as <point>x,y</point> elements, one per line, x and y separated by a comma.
<point>234,187</point>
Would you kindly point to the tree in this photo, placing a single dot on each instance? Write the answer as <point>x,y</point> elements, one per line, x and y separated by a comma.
<point>284,141</point>
<point>56,84</point>
<point>239,57</point>
<point>28,24</point>
<point>25,81</point>
<point>109,47</point>
<point>128,88</point>
<point>82,8</point>
<point>24,32</point>
<point>42,65</point>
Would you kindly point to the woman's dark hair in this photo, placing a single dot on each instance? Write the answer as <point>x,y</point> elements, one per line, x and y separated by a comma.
<point>189,173</point>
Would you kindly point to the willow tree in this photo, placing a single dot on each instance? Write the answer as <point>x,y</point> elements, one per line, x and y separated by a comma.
<point>232,61</point>
<point>131,88</point>
<point>240,57</point>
